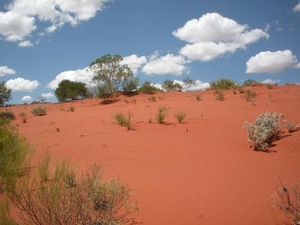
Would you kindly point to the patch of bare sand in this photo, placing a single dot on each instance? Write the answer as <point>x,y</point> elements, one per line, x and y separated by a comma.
<point>198,172</point>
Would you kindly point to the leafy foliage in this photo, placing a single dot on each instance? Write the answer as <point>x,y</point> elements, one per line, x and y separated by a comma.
<point>5,94</point>
<point>148,88</point>
<point>169,86</point>
<point>69,90</point>
<point>249,82</point>
<point>222,84</point>
<point>264,130</point>
<point>39,111</point>
<point>111,76</point>
<point>57,195</point>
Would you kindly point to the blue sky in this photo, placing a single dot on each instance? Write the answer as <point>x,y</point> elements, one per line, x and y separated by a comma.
<point>45,41</point>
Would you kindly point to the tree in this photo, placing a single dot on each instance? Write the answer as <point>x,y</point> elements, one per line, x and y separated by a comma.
<point>249,82</point>
<point>170,85</point>
<point>5,94</point>
<point>112,77</point>
<point>69,90</point>
<point>187,82</point>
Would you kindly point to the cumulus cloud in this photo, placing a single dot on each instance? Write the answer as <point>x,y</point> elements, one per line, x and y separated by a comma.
<point>25,44</point>
<point>81,75</point>
<point>272,62</point>
<point>19,21</point>
<point>4,70</point>
<point>168,64</point>
<point>47,95</point>
<point>134,62</point>
<point>297,8</point>
<point>21,84</point>
<point>270,81</point>
<point>26,98</point>
<point>213,35</point>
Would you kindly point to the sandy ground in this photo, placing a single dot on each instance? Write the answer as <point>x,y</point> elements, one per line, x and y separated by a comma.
<point>199,172</point>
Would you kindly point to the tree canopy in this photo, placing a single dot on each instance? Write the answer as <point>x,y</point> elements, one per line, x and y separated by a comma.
<point>69,90</point>
<point>170,85</point>
<point>111,76</point>
<point>5,93</point>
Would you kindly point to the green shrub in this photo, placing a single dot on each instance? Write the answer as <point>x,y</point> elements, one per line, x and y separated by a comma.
<point>222,84</point>
<point>39,111</point>
<point>249,95</point>
<point>264,130</point>
<point>14,152</point>
<point>7,114</point>
<point>180,116</point>
<point>148,88</point>
<point>249,82</point>
<point>161,115</point>
<point>57,195</point>
<point>170,85</point>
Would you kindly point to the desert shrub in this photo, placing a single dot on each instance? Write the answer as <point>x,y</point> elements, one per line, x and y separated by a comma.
<point>148,88</point>
<point>70,90</point>
<point>170,85</point>
<point>14,152</point>
<point>287,199</point>
<point>161,115</point>
<point>198,97</point>
<point>123,120</point>
<point>241,89</point>
<point>24,119</point>
<point>57,195</point>
<point>264,130</point>
<point>180,115</point>
<point>249,95</point>
<point>220,95</point>
<point>71,108</point>
<point>39,111</point>
<point>249,82</point>
<point>290,126</point>
<point>152,98</point>
<point>222,84</point>
<point>8,115</point>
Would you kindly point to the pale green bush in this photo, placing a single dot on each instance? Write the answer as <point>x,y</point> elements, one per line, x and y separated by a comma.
<point>39,111</point>
<point>264,130</point>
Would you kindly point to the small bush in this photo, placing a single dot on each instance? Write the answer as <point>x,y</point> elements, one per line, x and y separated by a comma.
<point>180,116</point>
<point>152,99</point>
<point>249,95</point>
<point>7,115</point>
<point>161,115</point>
<point>126,101</point>
<point>198,97</point>
<point>291,127</point>
<point>264,130</point>
<point>22,114</point>
<point>148,88</point>
<point>39,111</point>
<point>24,119</point>
<point>220,95</point>
<point>71,108</point>
<point>222,84</point>
<point>122,120</point>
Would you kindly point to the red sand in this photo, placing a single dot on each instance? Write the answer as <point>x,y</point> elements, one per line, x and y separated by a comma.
<point>199,172</point>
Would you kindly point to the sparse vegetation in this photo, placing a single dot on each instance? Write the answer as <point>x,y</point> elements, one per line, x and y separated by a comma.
<point>161,115</point>
<point>170,85</point>
<point>249,95</point>
<point>287,199</point>
<point>148,88</point>
<point>7,114</point>
<point>39,111</point>
<point>264,130</point>
<point>220,95</point>
<point>249,82</point>
<point>123,120</point>
<point>57,195</point>
<point>152,99</point>
<point>290,126</point>
<point>222,84</point>
<point>72,108</point>
<point>270,97</point>
<point>180,115</point>
<point>198,97</point>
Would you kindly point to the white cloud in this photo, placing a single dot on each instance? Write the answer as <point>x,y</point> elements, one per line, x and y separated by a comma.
<point>81,75</point>
<point>168,64</point>
<point>272,62</point>
<point>134,62</point>
<point>25,44</point>
<point>19,21</point>
<point>270,81</point>
<point>297,8</point>
<point>21,84</point>
<point>26,98</point>
<point>4,70</point>
<point>47,95</point>
<point>213,35</point>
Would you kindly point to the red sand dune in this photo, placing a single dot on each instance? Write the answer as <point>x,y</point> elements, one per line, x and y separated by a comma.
<point>199,172</point>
